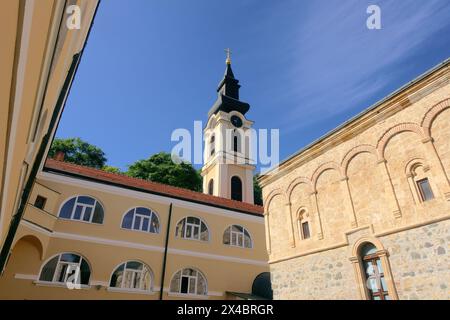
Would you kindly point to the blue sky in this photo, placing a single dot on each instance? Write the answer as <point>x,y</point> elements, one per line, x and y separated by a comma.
<point>151,66</point>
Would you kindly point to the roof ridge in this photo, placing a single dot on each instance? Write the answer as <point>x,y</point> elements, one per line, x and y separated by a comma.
<point>156,184</point>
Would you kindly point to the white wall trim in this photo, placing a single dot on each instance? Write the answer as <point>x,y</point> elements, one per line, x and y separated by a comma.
<point>133,245</point>
<point>135,291</point>
<point>51,177</point>
<point>22,276</point>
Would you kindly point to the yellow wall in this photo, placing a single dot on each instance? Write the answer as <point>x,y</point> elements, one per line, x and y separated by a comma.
<point>107,245</point>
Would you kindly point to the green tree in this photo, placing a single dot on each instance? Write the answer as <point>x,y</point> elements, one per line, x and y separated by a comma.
<point>160,168</point>
<point>111,169</point>
<point>79,152</point>
<point>257,191</point>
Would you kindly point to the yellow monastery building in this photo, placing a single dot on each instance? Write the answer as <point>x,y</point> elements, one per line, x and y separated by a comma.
<point>72,232</point>
<point>363,213</point>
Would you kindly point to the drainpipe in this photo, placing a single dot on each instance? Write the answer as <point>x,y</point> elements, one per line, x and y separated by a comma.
<point>165,254</point>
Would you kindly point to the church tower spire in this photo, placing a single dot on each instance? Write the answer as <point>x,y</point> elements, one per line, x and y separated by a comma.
<point>228,169</point>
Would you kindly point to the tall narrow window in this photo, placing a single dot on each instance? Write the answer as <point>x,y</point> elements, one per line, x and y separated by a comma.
<point>212,145</point>
<point>374,274</point>
<point>211,187</point>
<point>236,143</point>
<point>303,224</point>
<point>236,188</point>
<point>425,189</point>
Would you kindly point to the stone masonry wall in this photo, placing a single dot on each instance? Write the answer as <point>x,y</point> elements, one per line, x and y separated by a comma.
<point>419,260</point>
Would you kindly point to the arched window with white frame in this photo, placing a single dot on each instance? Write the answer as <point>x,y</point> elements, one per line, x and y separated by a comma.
<point>133,275</point>
<point>141,219</point>
<point>82,208</point>
<point>192,228</point>
<point>189,281</point>
<point>237,236</point>
<point>66,268</point>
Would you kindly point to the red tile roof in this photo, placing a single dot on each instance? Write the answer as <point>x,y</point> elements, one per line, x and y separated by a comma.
<point>149,186</point>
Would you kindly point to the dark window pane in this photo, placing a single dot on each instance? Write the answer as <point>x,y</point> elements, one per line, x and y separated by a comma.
<point>77,213</point>
<point>86,200</point>
<point>425,189</point>
<point>184,284</point>
<point>128,220</point>
<point>237,228</point>
<point>70,257</point>
<point>193,220</point>
<point>85,272</point>
<point>137,223</point>
<point>368,249</point>
<point>98,214</point>
<point>135,265</point>
<point>145,224</point>
<point>143,211</point>
<point>236,189</point>
<point>40,202</point>
<point>305,229</point>
<point>49,270</point>
<point>67,208</point>
<point>87,214</point>
<point>226,236</point>
<point>116,275</point>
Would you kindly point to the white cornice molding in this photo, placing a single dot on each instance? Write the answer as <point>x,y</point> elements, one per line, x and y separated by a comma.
<point>133,245</point>
<point>165,200</point>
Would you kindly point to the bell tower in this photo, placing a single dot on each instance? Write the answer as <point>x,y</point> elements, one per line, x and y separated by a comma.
<point>228,168</point>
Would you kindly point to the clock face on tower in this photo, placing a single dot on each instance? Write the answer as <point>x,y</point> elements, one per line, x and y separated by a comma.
<point>236,121</point>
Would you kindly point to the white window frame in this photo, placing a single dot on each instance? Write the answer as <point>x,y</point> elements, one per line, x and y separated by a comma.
<point>142,216</point>
<point>83,210</point>
<point>199,274</point>
<point>69,264</point>
<point>193,226</point>
<point>239,234</point>
<point>134,272</point>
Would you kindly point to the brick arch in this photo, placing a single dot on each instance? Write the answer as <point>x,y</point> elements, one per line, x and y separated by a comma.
<point>322,168</point>
<point>431,114</point>
<point>364,148</point>
<point>389,134</point>
<point>269,198</point>
<point>295,183</point>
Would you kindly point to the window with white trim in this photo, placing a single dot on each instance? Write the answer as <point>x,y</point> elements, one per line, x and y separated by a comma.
<point>303,224</point>
<point>192,228</point>
<point>66,267</point>
<point>237,236</point>
<point>132,275</point>
<point>189,281</point>
<point>141,219</point>
<point>82,208</point>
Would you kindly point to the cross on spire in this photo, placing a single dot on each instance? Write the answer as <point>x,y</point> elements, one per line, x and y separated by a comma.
<point>228,52</point>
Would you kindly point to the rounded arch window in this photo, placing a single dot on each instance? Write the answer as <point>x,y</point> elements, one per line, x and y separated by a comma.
<point>237,236</point>
<point>82,208</point>
<point>211,187</point>
<point>132,275</point>
<point>192,228</point>
<point>66,268</point>
<point>374,275</point>
<point>304,224</point>
<point>141,219</point>
<point>236,188</point>
<point>189,281</point>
